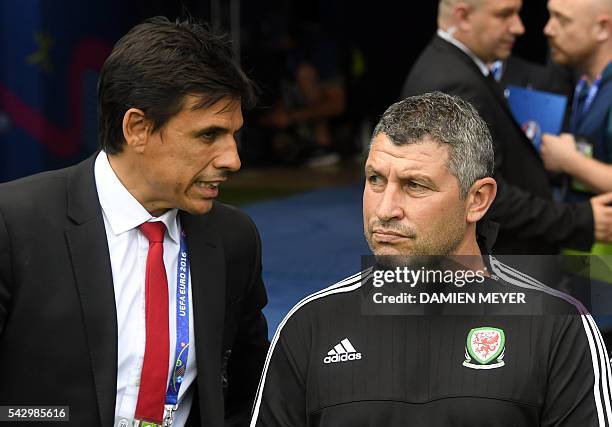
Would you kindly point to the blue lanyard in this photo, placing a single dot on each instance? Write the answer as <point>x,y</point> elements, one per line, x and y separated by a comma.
<point>182,343</point>
<point>497,69</point>
<point>182,326</point>
<point>577,114</point>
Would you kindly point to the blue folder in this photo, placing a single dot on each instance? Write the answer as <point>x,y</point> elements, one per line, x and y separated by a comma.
<point>536,111</point>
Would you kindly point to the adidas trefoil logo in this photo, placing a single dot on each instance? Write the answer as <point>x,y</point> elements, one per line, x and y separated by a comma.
<point>342,352</point>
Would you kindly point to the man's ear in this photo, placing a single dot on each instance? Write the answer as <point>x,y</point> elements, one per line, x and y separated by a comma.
<point>603,27</point>
<point>461,14</point>
<point>136,129</point>
<point>479,199</point>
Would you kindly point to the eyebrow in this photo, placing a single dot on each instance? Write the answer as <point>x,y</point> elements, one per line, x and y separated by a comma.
<point>419,179</point>
<point>410,176</point>
<point>370,169</point>
<point>557,14</point>
<point>508,10</point>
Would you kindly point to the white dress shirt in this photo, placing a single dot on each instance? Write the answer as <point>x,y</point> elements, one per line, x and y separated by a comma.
<point>128,249</point>
<point>448,36</point>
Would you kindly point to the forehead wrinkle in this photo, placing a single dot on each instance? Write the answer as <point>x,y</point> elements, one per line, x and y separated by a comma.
<point>219,121</point>
<point>398,157</point>
<point>400,163</point>
<point>418,154</point>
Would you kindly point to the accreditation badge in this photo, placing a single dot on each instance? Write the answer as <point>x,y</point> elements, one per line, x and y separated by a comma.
<point>586,149</point>
<point>128,422</point>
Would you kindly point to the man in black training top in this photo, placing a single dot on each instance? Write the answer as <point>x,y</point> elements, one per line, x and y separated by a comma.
<point>428,183</point>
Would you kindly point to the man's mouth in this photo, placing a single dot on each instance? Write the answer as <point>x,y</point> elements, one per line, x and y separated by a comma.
<point>208,189</point>
<point>208,184</point>
<point>381,235</point>
<point>388,232</point>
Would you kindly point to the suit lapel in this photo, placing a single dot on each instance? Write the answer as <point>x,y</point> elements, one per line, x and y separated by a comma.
<point>494,87</point>
<point>207,264</point>
<point>490,83</point>
<point>498,93</point>
<point>92,270</point>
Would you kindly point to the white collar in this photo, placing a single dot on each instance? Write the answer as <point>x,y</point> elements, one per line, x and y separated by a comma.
<point>122,210</point>
<point>448,36</point>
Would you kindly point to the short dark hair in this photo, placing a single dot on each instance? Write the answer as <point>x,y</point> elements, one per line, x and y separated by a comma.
<point>156,65</point>
<point>448,120</point>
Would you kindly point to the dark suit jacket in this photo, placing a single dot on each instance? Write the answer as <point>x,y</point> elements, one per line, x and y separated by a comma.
<point>58,323</point>
<point>551,77</point>
<point>530,223</point>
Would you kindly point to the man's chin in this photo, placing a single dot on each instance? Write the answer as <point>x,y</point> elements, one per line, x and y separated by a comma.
<point>560,59</point>
<point>390,251</point>
<point>392,261</point>
<point>199,207</point>
<point>385,252</point>
<point>503,55</point>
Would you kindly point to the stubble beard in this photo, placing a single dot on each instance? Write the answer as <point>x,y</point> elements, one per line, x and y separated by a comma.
<point>425,250</point>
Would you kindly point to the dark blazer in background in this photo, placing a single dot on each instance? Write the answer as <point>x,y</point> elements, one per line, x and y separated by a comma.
<point>58,322</point>
<point>530,222</point>
<point>551,77</point>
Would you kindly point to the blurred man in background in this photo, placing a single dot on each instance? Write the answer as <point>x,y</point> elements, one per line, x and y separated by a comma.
<point>580,35</point>
<point>471,35</point>
<point>312,98</point>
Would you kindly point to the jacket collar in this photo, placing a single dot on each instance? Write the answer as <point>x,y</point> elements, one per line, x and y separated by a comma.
<point>88,249</point>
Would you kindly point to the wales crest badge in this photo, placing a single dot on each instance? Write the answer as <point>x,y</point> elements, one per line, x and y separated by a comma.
<point>485,348</point>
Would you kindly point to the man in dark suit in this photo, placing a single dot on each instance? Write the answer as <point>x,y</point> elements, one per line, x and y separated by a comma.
<point>88,319</point>
<point>473,34</point>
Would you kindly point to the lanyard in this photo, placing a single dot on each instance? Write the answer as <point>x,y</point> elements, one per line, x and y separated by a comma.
<point>182,332</point>
<point>578,114</point>
<point>182,344</point>
<point>497,69</point>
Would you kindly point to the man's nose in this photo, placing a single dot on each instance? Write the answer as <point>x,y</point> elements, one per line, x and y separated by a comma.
<point>228,159</point>
<point>390,206</point>
<point>548,28</point>
<point>517,27</point>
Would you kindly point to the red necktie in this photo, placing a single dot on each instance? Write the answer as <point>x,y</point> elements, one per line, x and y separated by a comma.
<point>154,376</point>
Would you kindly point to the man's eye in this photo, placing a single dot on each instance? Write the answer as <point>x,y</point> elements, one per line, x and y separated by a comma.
<point>209,136</point>
<point>507,13</point>
<point>411,185</point>
<point>563,21</point>
<point>374,179</point>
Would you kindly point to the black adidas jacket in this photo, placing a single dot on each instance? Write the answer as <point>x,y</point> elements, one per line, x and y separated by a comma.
<point>331,365</point>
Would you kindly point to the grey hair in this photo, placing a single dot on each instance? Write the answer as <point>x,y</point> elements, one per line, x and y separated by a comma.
<point>448,120</point>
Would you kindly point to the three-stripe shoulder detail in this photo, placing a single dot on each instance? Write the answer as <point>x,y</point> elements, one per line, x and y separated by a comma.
<point>602,386</point>
<point>347,285</point>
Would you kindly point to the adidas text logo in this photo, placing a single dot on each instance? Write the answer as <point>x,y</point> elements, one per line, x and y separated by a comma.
<point>342,352</point>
